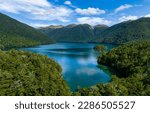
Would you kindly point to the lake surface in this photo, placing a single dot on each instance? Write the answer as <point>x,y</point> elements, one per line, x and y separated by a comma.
<point>78,61</point>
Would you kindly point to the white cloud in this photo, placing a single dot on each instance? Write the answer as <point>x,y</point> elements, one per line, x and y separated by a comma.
<point>92,20</point>
<point>148,15</point>
<point>126,18</point>
<point>90,11</point>
<point>68,3</point>
<point>36,9</point>
<point>123,7</point>
<point>37,25</point>
<point>16,6</point>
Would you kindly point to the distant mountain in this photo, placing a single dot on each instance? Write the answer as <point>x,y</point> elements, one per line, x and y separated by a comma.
<point>45,30</point>
<point>117,34</point>
<point>16,34</point>
<point>126,31</point>
<point>74,32</point>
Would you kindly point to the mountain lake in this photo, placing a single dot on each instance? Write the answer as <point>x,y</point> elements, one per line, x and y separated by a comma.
<point>78,61</point>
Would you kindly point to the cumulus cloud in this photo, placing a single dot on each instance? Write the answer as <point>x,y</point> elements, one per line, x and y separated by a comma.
<point>148,15</point>
<point>17,6</point>
<point>123,7</point>
<point>90,11</point>
<point>92,20</point>
<point>68,3</point>
<point>37,9</point>
<point>126,18</point>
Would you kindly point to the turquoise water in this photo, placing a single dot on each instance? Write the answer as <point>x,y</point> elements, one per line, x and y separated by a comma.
<point>78,62</point>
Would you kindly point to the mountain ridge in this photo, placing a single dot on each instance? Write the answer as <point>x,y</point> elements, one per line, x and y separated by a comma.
<point>77,32</point>
<point>119,33</point>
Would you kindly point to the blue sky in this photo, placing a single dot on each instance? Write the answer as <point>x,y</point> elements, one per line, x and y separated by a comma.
<point>40,13</point>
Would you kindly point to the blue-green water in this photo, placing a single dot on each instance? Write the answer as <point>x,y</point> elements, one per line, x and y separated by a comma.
<point>78,62</point>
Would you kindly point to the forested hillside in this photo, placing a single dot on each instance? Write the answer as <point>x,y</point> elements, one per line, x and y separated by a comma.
<point>126,31</point>
<point>24,73</point>
<point>131,64</point>
<point>16,34</point>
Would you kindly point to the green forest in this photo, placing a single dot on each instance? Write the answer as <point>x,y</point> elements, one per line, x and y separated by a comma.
<point>27,74</point>
<point>130,63</point>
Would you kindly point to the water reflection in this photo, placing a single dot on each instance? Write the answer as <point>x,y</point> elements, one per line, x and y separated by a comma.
<point>87,70</point>
<point>78,61</point>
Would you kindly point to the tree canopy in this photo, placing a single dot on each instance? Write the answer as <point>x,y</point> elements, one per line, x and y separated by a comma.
<point>25,73</point>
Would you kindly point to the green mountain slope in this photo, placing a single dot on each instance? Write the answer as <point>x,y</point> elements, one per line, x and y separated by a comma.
<point>126,31</point>
<point>16,34</point>
<point>73,32</point>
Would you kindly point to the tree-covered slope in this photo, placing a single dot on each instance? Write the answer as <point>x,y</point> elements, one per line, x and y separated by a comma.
<point>73,32</point>
<point>24,73</point>
<point>126,31</point>
<point>131,63</point>
<point>16,34</point>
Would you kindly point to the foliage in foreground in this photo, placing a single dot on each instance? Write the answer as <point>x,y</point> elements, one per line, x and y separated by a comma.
<point>131,62</point>
<point>25,73</point>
